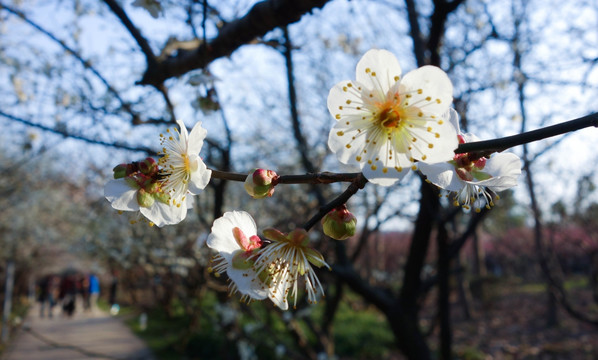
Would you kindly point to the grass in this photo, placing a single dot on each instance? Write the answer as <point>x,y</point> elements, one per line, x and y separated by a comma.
<point>360,331</point>
<point>361,334</point>
<point>573,283</point>
<point>20,306</point>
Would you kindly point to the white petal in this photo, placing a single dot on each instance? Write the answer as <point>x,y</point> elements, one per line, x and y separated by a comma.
<point>248,283</point>
<point>344,99</point>
<point>163,214</point>
<point>121,195</point>
<point>342,144</point>
<point>196,137</point>
<point>452,117</point>
<point>378,70</point>
<point>442,175</point>
<point>189,202</point>
<point>183,130</point>
<point>200,178</point>
<point>505,169</point>
<point>434,84</point>
<point>437,145</point>
<point>221,238</point>
<point>379,177</point>
<point>278,294</point>
<point>470,138</point>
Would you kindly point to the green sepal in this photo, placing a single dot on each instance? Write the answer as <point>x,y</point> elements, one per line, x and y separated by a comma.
<point>242,260</point>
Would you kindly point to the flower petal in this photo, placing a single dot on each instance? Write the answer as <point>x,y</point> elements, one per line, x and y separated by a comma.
<point>121,195</point>
<point>196,137</point>
<point>221,238</point>
<point>200,178</point>
<point>163,214</point>
<point>435,145</point>
<point>347,142</point>
<point>442,175</point>
<point>453,118</point>
<point>344,99</point>
<point>505,169</point>
<point>278,294</point>
<point>183,131</point>
<point>430,89</point>
<point>378,174</point>
<point>378,70</point>
<point>247,282</point>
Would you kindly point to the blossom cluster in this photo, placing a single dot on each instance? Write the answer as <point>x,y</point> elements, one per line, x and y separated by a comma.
<point>162,191</point>
<point>386,124</point>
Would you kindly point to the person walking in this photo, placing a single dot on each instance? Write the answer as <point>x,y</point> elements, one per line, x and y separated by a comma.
<point>94,291</point>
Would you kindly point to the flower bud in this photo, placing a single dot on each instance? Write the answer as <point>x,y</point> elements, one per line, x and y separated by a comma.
<point>247,243</point>
<point>144,199</point>
<point>480,163</point>
<point>339,223</point>
<point>148,166</point>
<point>162,197</point>
<point>120,171</point>
<point>260,183</point>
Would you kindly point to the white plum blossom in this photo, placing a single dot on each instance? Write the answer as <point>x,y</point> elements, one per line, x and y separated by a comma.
<point>474,181</point>
<point>385,123</point>
<point>234,236</point>
<point>287,258</point>
<point>181,167</point>
<point>159,190</point>
<point>125,195</point>
<point>260,270</point>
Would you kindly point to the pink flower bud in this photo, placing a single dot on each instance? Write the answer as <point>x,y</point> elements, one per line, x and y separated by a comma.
<point>148,166</point>
<point>263,177</point>
<point>480,163</point>
<point>260,183</point>
<point>339,223</point>
<point>247,244</point>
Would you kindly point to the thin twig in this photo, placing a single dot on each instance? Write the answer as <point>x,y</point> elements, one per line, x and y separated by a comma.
<point>488,147</point>
<point>312,178</point>
<point>141,41</point>
<point>77,137</point>
<point>351,190</point>
<point>86,64</point>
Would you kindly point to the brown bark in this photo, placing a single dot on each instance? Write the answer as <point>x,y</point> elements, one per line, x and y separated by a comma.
<point>262,18</point>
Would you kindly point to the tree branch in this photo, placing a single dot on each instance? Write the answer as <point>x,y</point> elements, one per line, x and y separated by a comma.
<point>262,18</point>
<point>415,30</point>
<point>351,190</point>
<point>141,41</point>
<point>487,147</point>
<point>86,64</point>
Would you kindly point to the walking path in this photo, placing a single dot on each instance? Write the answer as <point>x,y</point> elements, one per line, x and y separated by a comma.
<point>83,336</point>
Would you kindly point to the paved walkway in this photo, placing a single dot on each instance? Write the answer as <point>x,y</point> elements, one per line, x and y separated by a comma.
<point>83,336</point>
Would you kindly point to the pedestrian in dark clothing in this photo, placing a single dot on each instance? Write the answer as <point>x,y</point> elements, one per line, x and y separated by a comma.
<point>68,293</point>
<point>44,296</point>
